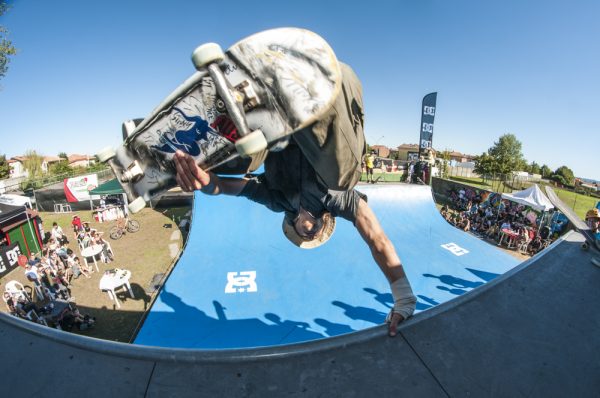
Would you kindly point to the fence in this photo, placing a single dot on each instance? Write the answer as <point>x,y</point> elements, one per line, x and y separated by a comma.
<point>11,184</point>
<point>28,184</point>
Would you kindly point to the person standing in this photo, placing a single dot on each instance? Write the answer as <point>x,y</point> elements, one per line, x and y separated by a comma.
<point>370,165</point>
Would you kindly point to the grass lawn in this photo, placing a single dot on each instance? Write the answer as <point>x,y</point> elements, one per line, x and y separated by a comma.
<point>477,183</point>
<point>383,177</point>
<point>578,202</point>
<point>152,250</point>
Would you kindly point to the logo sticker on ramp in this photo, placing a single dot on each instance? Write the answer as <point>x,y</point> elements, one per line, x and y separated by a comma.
<point>455,249</point>
<point>241,282</point>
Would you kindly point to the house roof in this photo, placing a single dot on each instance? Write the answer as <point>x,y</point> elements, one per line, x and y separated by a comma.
<point>51,159</point>
<point>408,146</point>
<point>77,158</point>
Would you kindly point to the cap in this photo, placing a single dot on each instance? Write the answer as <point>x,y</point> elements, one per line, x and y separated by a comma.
<point>594,213</point>
<point>290,232</point>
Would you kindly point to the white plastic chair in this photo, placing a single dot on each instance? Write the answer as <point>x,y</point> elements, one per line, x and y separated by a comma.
<point>16,290</point>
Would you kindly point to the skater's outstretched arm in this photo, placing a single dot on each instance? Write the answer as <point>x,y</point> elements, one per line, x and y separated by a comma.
<point>387,259</point>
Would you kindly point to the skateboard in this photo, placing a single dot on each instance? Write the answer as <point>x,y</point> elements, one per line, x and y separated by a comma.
<point>240,102</point>
<point>578,223</point>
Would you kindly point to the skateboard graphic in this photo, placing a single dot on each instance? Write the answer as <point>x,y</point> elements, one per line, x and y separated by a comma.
<point>578,224</point>
<point>250,98</point>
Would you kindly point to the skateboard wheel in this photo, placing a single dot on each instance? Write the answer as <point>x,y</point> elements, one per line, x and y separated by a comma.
<point>585,246</point>
<point>207,54</point>
<point>137,205</point>
<point>250,144</point>
<point>106,154</point>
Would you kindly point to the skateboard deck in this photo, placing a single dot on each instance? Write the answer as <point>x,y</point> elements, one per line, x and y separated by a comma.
<point>577,222</point>
<point>265,87</point>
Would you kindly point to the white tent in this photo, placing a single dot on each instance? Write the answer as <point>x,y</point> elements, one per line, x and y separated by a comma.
<point>532,197</point>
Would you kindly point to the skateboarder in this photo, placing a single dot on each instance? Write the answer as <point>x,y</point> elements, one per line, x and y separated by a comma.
<point>291,185</point>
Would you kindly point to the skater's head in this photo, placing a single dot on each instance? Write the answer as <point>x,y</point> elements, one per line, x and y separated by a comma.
<point>308,231</point>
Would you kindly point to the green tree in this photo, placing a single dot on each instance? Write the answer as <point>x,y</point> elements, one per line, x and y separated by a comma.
<point>63,155</point>
<point>33,164</point>
<point>61,167</point>
<point>6,47</point>
<point>545,171</point>
<point>445,160</point>
<point>564,175</point>
<point>4,167</point>
<point>534,168</point>
<point>507,155</point>
<point>485,165</point>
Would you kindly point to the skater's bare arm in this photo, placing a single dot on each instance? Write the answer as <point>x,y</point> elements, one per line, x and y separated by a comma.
<point>190,177</point>
<point>387,259</point>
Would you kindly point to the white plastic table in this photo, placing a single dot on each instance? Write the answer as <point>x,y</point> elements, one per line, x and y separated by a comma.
<point>112,281</point>
<point>91,251</point>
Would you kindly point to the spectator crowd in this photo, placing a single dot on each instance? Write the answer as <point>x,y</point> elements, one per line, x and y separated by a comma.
<point>489,216</point>
<point>52,271</point>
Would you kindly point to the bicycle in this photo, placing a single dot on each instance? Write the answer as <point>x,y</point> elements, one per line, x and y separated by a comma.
<point>123,225</point>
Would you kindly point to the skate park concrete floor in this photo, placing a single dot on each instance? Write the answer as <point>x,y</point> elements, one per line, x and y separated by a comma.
<point>531,331</point>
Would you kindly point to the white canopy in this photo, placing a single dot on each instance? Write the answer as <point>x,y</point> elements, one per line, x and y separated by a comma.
<point>532,197</point>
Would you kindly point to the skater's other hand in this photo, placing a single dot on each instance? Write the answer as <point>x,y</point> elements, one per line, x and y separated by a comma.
<point>189,176</point>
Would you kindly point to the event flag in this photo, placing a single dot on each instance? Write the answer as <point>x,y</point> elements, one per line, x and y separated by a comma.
<point>427,116</point>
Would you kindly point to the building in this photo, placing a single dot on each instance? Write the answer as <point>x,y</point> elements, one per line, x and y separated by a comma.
<point>80,160</point>
<point>48,161</point>
<point>381,150</point>
<point>16,165</point>
<point>409,152</point>
<point>459,157</point>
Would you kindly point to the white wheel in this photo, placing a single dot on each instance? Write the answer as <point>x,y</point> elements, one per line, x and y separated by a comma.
<point>105,154</point>
<point>206,54</point>
<point>137,205</point>
<point>250,144</point>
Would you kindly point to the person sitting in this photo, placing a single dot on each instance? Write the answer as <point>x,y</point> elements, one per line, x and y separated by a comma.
<point>58,234</point>
<point>107,253</point>
<point>523,239</point>
<point>535,246</point>
<point>592,219</point>
<point>33,259</point>
<point>466,223</point>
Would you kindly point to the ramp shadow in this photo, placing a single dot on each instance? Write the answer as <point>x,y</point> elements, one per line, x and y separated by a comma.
<point>202,330</point>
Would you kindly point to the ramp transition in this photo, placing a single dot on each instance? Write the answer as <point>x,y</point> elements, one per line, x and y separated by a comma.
<point>241,284</point>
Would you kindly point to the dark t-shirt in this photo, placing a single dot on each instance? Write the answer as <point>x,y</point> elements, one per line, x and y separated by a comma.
<point>289,181</point>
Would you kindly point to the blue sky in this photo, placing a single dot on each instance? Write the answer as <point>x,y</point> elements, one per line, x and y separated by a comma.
<point>524,67</point>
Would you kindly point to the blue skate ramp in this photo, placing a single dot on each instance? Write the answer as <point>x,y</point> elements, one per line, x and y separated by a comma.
<point>240,283</point>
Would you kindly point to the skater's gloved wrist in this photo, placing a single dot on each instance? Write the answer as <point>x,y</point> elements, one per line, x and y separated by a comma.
<point>404,299</point>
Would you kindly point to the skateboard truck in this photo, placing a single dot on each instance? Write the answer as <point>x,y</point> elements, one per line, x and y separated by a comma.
<point>208,56</point>
<point>250,98</point>
<point>244,93</point>
<point>133,172</point>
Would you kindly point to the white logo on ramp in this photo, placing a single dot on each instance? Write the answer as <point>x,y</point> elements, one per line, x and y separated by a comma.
<point>240,282</point>
<point>455,249</point>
